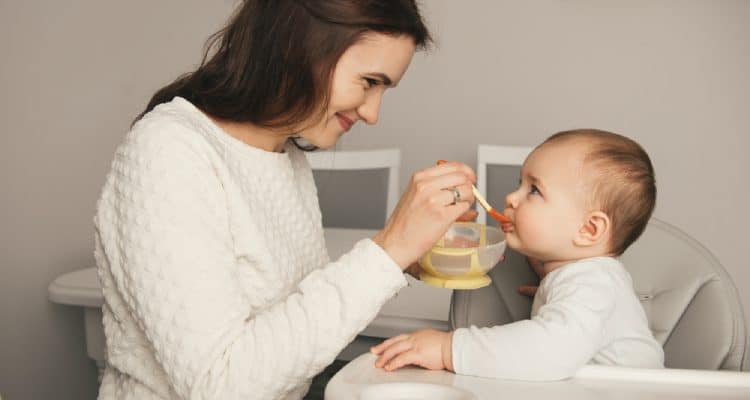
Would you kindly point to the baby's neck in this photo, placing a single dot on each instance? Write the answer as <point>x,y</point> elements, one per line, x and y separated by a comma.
<point>552,265</point>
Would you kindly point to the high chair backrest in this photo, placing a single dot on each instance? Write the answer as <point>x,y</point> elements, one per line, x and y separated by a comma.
<point>692,305</point>
<point>498,169</point>
<point>356,189</point>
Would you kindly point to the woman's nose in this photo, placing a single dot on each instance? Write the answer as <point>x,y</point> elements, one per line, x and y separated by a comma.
<point>370,109</point>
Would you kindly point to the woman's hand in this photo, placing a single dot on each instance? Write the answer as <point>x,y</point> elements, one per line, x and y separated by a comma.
<point>538,268</point>
<point>426,210</point>
<point>415,269</point>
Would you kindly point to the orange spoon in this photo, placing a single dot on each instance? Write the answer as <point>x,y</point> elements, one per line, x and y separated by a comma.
<point>487,207</point>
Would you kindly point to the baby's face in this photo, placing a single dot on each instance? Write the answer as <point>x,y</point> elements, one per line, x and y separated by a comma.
<point>549,205</point>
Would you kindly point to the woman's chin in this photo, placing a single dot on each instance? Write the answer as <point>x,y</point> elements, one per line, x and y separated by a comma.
<point>324,146</point>
<point>325,143</point>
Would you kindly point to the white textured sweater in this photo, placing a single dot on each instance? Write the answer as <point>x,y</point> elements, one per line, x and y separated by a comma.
<point>584,312</point>
<point>216,279</point>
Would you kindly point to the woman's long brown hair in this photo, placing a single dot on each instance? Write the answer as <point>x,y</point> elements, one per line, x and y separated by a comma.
<point>272,64</point>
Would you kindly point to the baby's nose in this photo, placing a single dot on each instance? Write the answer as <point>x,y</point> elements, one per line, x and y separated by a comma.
<point>510,200</point>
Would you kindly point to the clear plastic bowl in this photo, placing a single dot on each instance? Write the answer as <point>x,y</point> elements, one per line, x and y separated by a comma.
<point>462,257</point>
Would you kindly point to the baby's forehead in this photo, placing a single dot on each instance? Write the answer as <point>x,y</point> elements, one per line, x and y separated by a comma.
<point>568,156</point>
<point>563,165</point>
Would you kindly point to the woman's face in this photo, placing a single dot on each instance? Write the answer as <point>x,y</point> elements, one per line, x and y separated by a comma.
<point>363,73</point>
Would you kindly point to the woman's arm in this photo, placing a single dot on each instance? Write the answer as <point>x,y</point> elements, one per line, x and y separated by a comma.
<point>164,232</point>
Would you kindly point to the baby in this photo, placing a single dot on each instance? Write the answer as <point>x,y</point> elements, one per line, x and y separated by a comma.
<point>584,197</point>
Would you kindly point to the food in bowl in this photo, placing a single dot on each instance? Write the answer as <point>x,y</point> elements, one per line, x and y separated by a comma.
<point>462,257</point>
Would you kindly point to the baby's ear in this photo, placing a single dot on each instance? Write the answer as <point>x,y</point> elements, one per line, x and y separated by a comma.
<point>594,230</point>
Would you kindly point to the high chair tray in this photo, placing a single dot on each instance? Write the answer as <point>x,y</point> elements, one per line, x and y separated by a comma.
<point>360,379</point>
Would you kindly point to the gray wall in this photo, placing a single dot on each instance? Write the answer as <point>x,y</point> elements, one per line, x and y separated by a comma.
<point>671,74</point>
<point>674,75</point>
<point>73,75</point>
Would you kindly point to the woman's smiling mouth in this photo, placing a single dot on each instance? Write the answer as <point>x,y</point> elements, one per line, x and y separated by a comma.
<point>345,122</point>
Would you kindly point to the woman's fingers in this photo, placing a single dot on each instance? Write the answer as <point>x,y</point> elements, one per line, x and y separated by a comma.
<point>414,270</point>
<point>528,290</point>
<point>435,198</point>
<point>457,194</point>
<point>447,182</point>
<point>468,216</point>
<point>456,210</point>
<point>446,167</point>
<point>537,266</point>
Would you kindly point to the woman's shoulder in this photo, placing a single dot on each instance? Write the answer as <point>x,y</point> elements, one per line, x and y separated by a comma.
<point>170,130</point>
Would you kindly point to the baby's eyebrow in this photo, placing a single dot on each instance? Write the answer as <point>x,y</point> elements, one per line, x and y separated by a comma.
<point>536,181</point>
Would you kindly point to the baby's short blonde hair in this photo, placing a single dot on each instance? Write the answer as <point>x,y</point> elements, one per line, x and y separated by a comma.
<point>622,182</point>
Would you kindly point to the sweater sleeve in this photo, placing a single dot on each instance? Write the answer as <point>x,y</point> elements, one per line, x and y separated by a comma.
<point>564,335</point>
<point>165,236</point>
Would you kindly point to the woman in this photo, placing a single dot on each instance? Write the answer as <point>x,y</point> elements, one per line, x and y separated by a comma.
<point>209,241</point>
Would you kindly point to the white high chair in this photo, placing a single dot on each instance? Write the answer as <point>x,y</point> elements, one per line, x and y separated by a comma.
<point>345,201</point>
<point>691,303</point>
<point>498,167</point>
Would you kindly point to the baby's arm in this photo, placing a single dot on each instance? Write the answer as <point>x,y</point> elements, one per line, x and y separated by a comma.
<point>427,348</point>
<point>564,335</point>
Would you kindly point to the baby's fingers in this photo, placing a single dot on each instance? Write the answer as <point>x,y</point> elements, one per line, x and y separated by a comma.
<point>387,343</point>
<point>393,351</point>
<point>402,360</point>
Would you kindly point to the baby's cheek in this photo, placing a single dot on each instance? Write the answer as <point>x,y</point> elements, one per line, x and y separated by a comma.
<point>531,234</point>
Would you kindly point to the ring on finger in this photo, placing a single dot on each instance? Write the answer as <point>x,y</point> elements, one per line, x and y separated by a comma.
<point>456,195</point>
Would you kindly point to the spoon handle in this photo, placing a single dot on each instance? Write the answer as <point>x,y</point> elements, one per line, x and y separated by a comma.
<point>483,202</point>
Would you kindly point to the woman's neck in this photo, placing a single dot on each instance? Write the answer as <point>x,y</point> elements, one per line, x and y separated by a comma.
<point>253,135</point>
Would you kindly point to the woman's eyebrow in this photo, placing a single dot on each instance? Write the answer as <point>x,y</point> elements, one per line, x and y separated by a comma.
<point>383,77</point>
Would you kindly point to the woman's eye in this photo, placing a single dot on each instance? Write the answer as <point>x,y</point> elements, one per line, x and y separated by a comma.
<point>371,82</point>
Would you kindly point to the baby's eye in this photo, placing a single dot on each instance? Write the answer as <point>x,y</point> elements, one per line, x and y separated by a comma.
<point>534,190</point>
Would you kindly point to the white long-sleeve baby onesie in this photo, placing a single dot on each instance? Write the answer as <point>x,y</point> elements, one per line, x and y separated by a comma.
<point>583,312</point>
<point>216,279</point>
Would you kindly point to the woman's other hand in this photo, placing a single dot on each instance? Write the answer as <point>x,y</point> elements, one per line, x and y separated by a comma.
<point>538,268</point>
<point>435,198</point>
<point>414,269</point>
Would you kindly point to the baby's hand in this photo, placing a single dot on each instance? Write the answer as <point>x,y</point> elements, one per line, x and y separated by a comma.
<point>427,348</point>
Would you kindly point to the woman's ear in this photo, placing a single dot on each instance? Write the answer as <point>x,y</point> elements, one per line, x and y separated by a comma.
<point>594,230</point>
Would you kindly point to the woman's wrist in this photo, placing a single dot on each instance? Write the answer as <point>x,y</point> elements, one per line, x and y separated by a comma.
<point>382,239</point>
